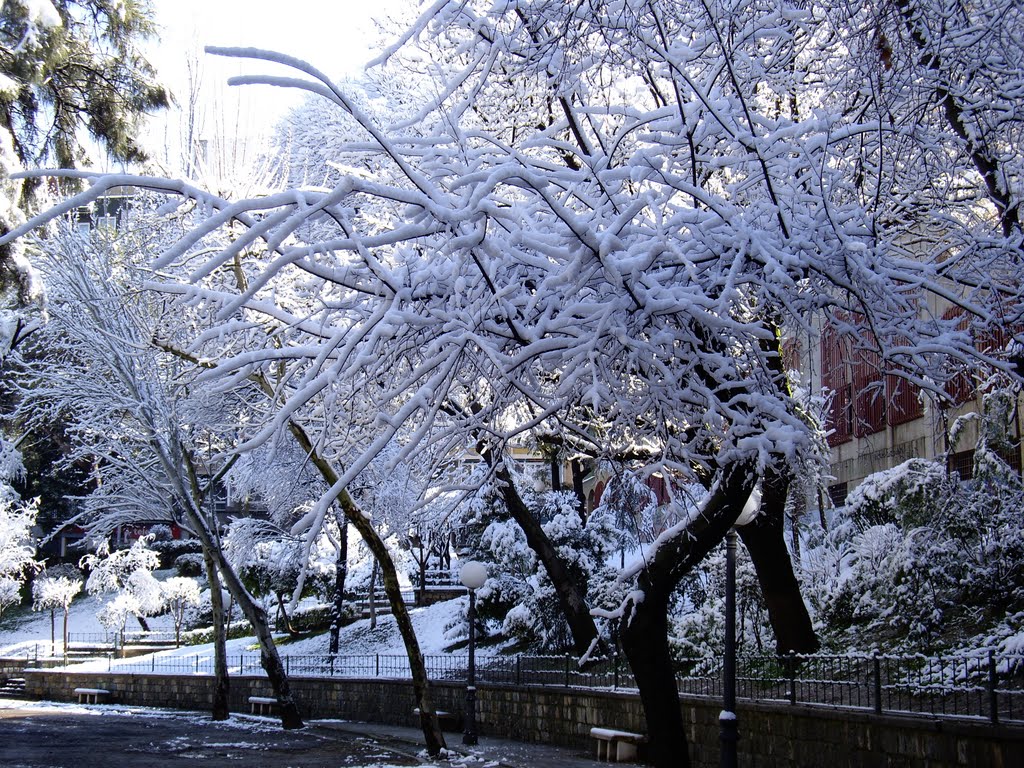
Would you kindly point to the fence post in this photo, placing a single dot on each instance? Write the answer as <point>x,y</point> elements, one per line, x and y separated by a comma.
<point>377,664</point>
<point>197,663</point>
<point>791,663</point>
<point>615,680</point>
<point>152,666</point>
<point>287,664</point>
<point>993,698</point>
<point>519,671</point>
<point>876,665</point>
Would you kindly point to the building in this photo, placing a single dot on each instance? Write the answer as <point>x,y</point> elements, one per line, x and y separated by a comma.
<point>877,421</point>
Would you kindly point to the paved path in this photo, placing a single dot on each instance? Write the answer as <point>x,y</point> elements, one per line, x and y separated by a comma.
<point>43,735</point>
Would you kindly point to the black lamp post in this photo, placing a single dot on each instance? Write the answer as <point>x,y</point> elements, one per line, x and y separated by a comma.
<point>727,729</point>
<point>473,575</point>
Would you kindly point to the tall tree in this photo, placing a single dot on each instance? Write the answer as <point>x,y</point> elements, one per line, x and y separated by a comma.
<point>602,227</point>
<point>141,419</point>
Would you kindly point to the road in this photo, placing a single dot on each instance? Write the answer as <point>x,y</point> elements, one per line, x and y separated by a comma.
<point>63,736</point>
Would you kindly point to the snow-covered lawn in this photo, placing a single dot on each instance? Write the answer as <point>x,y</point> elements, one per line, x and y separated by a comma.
<point>23,631</point>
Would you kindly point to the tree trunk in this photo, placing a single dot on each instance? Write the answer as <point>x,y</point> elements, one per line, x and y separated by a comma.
<point>571,595</point>
<point>765,540</point>
<point>371,597</point>
<point>282,610</point>
<point>269,657</point>
<point>421,687</point>
<point>222,684</point>
<point>645,642</point>
<point>340,575</point>
<point>67,610</point>
<point>577,487</point>
<point>645,628</point>
<point>423,560</point>
<point>428,717</point>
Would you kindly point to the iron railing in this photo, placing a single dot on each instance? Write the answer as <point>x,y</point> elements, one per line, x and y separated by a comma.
<point>980,685</point>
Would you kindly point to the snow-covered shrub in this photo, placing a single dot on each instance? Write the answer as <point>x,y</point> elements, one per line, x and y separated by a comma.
<point>518,593</point>
<point>179,594</point>
<point>54,589</point>
<point>171,549</point>
<point>160,533</point>
<point>129,574</point>
<point>10,593</point>
<point>189,564</point>
<point>697,614</point>
<point>909,495</point>
<point>17,547</point>
<point>921,559</point>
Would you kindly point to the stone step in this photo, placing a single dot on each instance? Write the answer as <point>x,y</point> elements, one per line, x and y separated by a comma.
<point>13,688</point>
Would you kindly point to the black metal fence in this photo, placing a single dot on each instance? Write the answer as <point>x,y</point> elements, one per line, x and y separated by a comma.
<point>983,685</point>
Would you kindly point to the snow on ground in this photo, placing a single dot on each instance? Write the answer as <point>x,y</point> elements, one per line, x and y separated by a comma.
<point>23,631</point>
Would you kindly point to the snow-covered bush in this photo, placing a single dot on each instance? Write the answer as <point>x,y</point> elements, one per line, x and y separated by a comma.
<point>518,594</point>
<point>10,593</point>
<point>179,594</point>
<point>171,549</point>
<point>697,614</point>
<point>921,559</point>
<point>189,564</point>
<point>129,574</point>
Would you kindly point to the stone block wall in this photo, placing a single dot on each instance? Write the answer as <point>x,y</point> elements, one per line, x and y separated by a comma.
<point>771,735</point>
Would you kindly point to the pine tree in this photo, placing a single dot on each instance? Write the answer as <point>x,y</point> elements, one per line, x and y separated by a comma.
<point>65,66</point>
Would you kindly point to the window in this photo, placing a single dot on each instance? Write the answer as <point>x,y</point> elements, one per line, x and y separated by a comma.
<point>864,398</point>
<point>835,377</point>
<point>962,463</point>
<point>837,493</point>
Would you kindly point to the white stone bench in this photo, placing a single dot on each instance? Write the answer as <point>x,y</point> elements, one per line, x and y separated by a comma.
<point>92,695</point>
<point>617,746</point>
<point>262,705</point>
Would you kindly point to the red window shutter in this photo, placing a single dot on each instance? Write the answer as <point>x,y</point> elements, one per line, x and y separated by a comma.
<point>869,406</point>
<point>904,401</point>
<point>835,377</point>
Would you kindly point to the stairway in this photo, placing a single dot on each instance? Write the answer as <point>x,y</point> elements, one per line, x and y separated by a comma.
<point>13,688</point>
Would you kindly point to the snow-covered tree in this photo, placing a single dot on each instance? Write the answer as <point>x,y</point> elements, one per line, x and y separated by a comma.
<point>179,594</point>
<point>600,230</point>
<point>127,571</point>
<point>53,589</point>
<point>155,437</point>
<point>17,544</point>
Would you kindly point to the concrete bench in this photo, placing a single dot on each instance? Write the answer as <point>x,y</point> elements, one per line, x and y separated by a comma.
<point>92,695</point>
<point>448,721</point>
<point>617,746</point>
<point>262,705</point>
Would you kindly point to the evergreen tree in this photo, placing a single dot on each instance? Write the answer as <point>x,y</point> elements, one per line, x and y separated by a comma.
<point>75,64</point>
<point>66,65</point>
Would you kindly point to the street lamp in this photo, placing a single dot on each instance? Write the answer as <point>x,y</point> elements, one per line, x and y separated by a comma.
<point>727,726</point>
<point>728,732</point>
<point>473,575</point>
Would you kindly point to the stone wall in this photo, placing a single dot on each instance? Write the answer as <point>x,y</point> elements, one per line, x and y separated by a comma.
<point>770,734</point>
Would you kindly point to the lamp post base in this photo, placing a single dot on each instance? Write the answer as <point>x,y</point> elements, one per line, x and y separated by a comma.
<point>469,737</point>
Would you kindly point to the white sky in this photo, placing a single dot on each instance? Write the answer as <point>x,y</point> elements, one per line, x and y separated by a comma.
<point>335,36</point>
